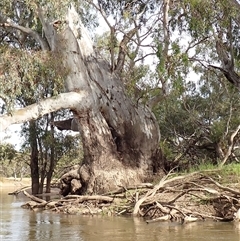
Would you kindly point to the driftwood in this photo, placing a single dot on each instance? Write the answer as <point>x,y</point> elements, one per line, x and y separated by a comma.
<point>98,198</point>
<point>181,192</point>
<point>187,198</point>
<point>16,192</point>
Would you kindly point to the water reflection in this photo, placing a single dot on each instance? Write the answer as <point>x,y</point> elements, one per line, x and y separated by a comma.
<point>20,224</point>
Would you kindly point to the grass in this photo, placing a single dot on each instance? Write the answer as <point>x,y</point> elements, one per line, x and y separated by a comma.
<point>203,167</point>
<point>229,173</point>
<point>233,169</point>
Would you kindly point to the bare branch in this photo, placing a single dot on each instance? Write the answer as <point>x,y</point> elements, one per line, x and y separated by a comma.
<point>229,151</point>
<point>36,199</point>
<point>123,48</point>
<point>70,100</point>
<point>230,74</point>
<point>101,11</point>
<point>194,43</point>
<point>7,22</point>
<point>229,119</point>
<point>153,191</point>
<point>144,56</point>
<point>228,189</point>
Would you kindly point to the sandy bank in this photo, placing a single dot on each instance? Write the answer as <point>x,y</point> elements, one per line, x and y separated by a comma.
<point>11,182</point>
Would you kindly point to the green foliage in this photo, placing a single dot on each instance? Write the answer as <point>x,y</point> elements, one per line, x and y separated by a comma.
<point>7,152</point>
<point>232,169</point>
<point>13,163</point>
<point>24,68</point>
<point>194,123</point>
<point>29,74</point>
<point>69,151</point>
<point>104,43</point>
<point>66,148</point>
<point>127,8</point>
<point>205,166</point>
<point>197,117</point>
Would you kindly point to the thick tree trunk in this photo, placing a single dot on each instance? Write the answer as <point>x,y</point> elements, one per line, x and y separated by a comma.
<point>48,182</point>
<point>120,139</point>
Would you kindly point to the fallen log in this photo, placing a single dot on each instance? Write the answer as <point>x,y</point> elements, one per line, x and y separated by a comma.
<point>16,192</point>
<point>34,198</point>
<point>98,198</point>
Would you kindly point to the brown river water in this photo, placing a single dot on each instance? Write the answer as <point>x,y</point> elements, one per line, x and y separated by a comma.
<point>17,224</point>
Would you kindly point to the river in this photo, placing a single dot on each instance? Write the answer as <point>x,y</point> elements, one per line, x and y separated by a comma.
<point>17,224</point>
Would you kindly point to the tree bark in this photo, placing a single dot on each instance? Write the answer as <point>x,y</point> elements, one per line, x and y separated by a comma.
<point>49,173</point>
<point>120,139</point>
<point>227,62</point>
<point>34,158</point>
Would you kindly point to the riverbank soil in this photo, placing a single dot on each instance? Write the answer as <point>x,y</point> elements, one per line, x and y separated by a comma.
<point>182,198</point>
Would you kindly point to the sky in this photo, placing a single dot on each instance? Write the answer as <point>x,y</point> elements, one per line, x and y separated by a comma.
<point>12,135</point>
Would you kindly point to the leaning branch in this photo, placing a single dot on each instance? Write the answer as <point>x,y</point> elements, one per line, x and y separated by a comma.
<point>70,100</point>
<point>230,75</point>
<point>7,22</point>
<point>227,62</point>
<point>35,199</point>
<point>229,151</point>
<point>123,48</point>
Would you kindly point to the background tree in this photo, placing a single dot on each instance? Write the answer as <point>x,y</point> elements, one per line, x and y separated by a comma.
<point>13,163</point>
<point>48,147</point>
<point>201,110</point>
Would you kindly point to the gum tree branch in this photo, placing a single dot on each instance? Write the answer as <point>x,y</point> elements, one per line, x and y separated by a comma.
<point>7,22</point>
<point>70,100</point>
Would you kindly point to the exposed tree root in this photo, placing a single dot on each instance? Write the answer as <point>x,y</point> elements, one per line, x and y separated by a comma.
<point>186,198</point>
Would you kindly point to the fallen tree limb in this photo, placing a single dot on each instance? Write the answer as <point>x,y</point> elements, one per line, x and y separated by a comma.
<point>224,188</point>
<point>16,192</point>
<point>36,199</point>
<point>152,192</point>
<point>90,198</point>
<point>131,187</point>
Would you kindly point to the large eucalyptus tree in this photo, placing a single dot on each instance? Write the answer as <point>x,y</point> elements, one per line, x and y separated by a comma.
<point>46,41</point>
